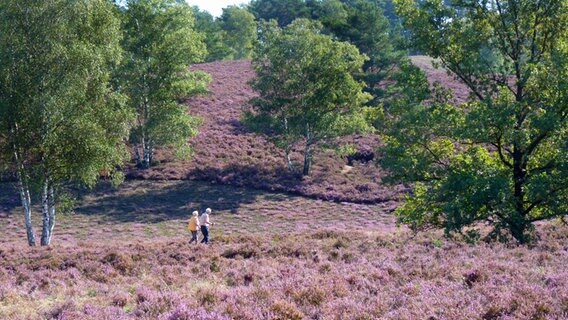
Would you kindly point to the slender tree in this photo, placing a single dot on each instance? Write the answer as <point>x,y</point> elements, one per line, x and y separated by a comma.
<point>306,87</point>
<point>501,157</point>
<point>59,119</point>
<point>160,43</point>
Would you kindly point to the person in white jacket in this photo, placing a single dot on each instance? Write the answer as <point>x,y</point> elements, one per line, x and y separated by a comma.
<point>205,223</point>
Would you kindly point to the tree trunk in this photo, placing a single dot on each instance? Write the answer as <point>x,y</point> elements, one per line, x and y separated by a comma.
<point>26,204</point>
<point>25,197</point>
<point>147,153</point>
<point>518,230</point>
<point>288,152</point>
<point>137,154</point>
<point>518,224</point>
<point>51,199</point>
<point>307,159</point>
<point>45,236</point>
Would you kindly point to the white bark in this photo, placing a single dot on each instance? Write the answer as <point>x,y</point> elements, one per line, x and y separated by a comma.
<point>45,237</point>
<point>26,204</point>
<point>24,191</point>
<point>147,152</point>
<point>289,159</point>
<point>51,200</point>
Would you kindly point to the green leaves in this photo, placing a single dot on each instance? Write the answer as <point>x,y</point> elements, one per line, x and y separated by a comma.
<point>160,43</point>
<point>306,84</point>
<point>498,157</point>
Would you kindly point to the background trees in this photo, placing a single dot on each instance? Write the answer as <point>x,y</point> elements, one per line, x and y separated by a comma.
<point>59,119</point>
<point>501,157</point>
<point>283,11</point>
<point>213,35</point>
<point>306,86</point>
<point>363,23</point>
<point>239,30</point>
<point>160,44</point>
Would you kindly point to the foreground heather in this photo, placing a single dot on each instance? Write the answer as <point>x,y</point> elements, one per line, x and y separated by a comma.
<point>320,275</point>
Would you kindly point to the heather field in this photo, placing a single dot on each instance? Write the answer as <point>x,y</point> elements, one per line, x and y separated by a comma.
<point>123,255</point>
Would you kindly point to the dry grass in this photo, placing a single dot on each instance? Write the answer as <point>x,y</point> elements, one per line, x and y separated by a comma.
<point>142,209</point>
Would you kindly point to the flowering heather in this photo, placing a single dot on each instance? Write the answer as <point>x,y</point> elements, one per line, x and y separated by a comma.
<point>124,255</point>
<point>321,274</point>
<point>227,153</point>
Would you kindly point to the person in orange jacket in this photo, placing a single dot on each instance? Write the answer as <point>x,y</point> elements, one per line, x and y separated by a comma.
<point>193,226</point>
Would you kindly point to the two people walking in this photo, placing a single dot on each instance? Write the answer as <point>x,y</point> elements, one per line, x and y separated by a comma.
<point>199,222</point>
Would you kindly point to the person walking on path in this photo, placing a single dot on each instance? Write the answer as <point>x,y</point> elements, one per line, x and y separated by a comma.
<point>193,226</point>
<point>205,223</point>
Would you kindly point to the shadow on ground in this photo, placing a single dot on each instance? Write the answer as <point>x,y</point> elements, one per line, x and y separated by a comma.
<point>158,201</point>
<point>9,198</point>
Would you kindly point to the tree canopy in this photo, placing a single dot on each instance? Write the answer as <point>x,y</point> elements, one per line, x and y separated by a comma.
<point>160,43</point>
<point>239,28</point>
<point>306,86</point>
<point>60,120</point>
<point>500,157</point>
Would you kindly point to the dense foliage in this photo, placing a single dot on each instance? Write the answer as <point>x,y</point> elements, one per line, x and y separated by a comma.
<point>213,35</point>
<point>239,30</point>
<point>363,23</point>
<point>306,86</point>
<point>501,157</point>
<point>160,43</point>
<point>59,119</point>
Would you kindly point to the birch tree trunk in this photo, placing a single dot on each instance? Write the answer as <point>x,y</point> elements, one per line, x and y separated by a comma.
<point>288,152</point>
<point>45,237</point>
<point>51,199</point>
<point>147,153</point>
<point>308,151</point>
<point>26,204</point>
<point>24,191</point>
<point>137,154</point>
<point>307,159</point>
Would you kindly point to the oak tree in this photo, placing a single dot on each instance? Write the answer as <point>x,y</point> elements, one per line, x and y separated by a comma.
<point>501,157</point>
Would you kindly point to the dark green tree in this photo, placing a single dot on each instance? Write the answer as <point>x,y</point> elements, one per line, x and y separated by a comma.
<point>363,23</point>
<point>501,157</point>
<point>161,43</point>
<point>306,87</point>
<point>283,11</point>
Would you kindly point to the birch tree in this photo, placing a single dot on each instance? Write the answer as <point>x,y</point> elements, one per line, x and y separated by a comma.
<point>160,43</point>
<point>59,119</point>
<point>306,88</point>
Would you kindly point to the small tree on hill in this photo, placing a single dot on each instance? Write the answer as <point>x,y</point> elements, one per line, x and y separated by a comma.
<point>160,43</point>
<point>59,119</point>
<point>501,157</point>
<point>306,86</point>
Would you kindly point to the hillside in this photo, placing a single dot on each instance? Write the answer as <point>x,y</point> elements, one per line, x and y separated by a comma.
<point>226,153</point>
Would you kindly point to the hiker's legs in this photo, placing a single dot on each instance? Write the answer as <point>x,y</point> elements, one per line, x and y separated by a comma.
<point>205,232</point>
<point>193,237</point>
